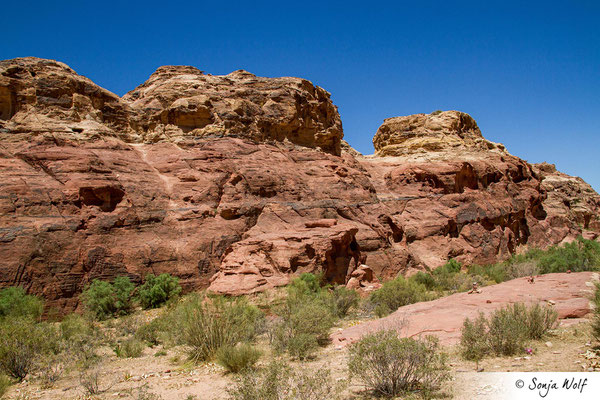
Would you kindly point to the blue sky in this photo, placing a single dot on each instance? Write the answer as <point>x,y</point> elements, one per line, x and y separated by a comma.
<point>528,72</point>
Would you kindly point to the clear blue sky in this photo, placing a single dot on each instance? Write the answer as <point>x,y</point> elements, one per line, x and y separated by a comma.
<point>528,72</point>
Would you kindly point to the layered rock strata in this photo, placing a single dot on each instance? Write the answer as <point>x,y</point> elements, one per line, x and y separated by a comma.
<point>237,183</point>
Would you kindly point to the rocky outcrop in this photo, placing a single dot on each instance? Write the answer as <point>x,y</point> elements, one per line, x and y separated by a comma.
<point>236,183</point>
<point>438,131</point>
<point>180,101</point>
<point>570,200</point>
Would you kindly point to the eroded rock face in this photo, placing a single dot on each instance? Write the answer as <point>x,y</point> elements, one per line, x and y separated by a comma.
<point>570,199</point>
<point>438,131</point>
<point>199,176</point>
<point>181,101</point>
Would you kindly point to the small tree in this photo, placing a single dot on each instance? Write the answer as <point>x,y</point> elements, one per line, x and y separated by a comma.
<point>14,302</point>
<point>105,299</point>
<point>157,290</point>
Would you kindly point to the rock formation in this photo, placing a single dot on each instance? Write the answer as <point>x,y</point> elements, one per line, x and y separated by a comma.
<point>237,183</point>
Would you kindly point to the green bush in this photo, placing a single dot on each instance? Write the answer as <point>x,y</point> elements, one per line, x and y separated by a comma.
<point>306,284</point>
<point>130,348</point>
<point>105,300</point>
<point>14,302</point>
<point>157,290</point>
<point>237,358</point>
<point>425,279</point>
<point>389,365</point>
<point>22,343</point>
<point>206,326</point>
<point>579,255</point>
<point>397,293</point>
<point>279,382</point>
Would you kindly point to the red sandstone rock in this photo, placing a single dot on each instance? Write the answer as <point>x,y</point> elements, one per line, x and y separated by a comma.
<point>219,180</point>
<point>444,317</point>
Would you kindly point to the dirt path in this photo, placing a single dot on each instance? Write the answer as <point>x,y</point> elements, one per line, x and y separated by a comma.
<point>444,317</point>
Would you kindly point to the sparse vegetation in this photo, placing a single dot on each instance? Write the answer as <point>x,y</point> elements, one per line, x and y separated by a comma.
<point>389,365</point>
<point>206,326</point>
<point>105,299</point>
<point>279,382</point>
<point>238,358</point>
<point>22,342</point>
<point>157,290</point>
<point>130,348</point>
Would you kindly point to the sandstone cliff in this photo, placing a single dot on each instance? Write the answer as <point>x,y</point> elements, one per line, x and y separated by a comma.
<point>237,182</point>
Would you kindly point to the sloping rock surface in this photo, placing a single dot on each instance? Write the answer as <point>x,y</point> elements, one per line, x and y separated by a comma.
<point>238,182</point>
<point>444,317</point>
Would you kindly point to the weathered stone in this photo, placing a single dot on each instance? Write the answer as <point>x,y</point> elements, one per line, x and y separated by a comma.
<point>219,181</point>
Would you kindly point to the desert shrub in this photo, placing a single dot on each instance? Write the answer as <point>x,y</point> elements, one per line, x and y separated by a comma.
<point>506,330</point>
<point>579,255</point>
<point>473,340</point>
<point>104,299</point>
<point>75,325</point>
<point>425,279</point>
<point>436,112</point>
<point>340,300</point>
<point>237,358</point>
<point>206,326</point>
<point>153,332</point>
<point>51,369</point>
<point>79,339</point>
<point>539,320</point>
<point>397,293</point>
<point>130,348</point>
<point>306,283</point>
<point>304,324</point>
<point>14,302</point>
<point>5,382</point>
<point>389,365</point>
<point>22,343</point>
<point>279,382</point>
<point>89,379</point>
<point>157,290</point>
